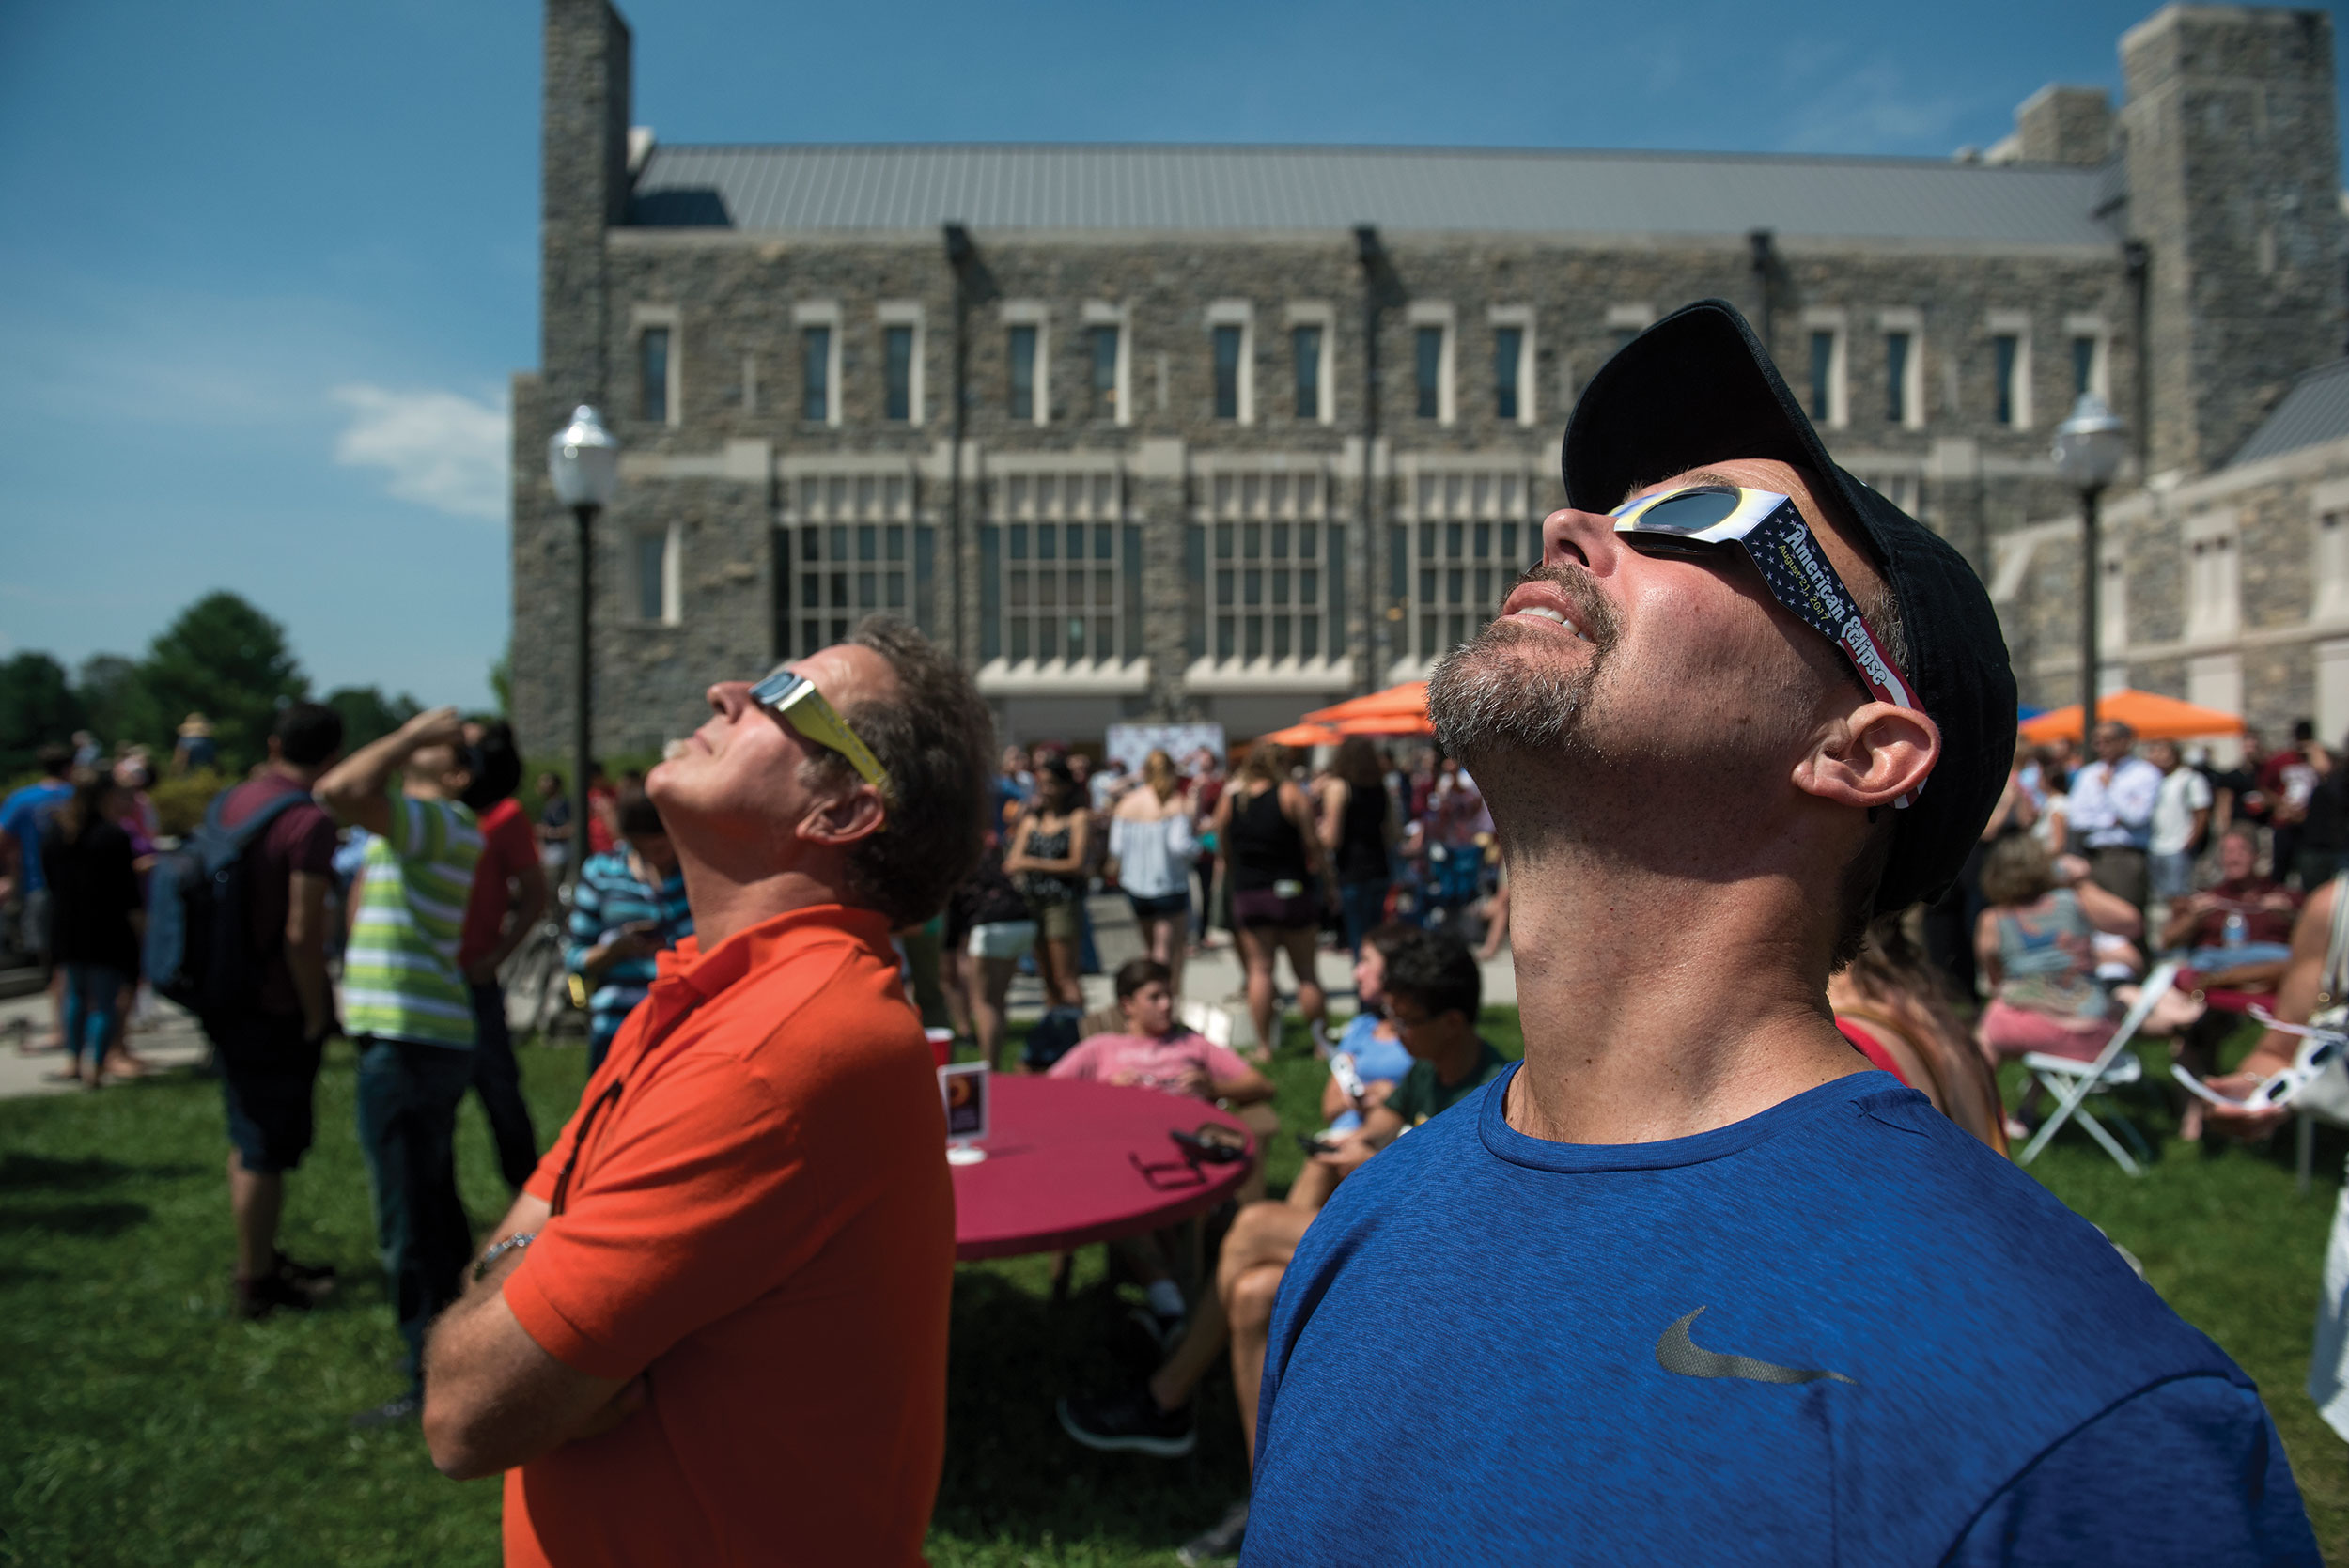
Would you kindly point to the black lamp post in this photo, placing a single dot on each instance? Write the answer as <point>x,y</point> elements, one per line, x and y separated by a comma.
<point>2089,447</point>
<point>583,461</point>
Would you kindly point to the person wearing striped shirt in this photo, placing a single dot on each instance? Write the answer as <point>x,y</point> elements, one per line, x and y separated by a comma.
<point>630,906</point>
<point>406,1005</point>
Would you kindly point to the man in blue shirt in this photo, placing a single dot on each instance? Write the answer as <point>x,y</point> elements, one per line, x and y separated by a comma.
<point>629,906</point>
<point>24,818</point>
<point>1693,1284</point>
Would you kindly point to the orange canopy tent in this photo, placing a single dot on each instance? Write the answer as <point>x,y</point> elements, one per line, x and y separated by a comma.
<point>1410,698</point>
<point>1390,723</point>
<point>2153,717</point>
<point>1299,737</point>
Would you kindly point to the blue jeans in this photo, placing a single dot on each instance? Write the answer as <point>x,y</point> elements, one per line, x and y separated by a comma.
<point>407,1100</point>
<point>498,1079</point>
<point>93,1010</point>
<point>1365,906</point>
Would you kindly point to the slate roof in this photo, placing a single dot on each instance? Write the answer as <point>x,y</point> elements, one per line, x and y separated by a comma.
<point>1199,188</point>
<point>2315,410</point>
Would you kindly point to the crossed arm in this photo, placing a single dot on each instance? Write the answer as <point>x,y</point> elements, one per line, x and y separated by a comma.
<point>493,1399</point>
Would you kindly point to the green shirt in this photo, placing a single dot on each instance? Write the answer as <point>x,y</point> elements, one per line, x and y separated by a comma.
<point>1420,1093</point>
<point>400,979</point>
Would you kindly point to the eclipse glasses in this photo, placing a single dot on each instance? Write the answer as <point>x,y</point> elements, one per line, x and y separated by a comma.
<point>793,699</point>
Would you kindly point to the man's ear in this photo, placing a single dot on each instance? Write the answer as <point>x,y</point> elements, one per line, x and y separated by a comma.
<point>1870,757</point>
<point>845,819</point>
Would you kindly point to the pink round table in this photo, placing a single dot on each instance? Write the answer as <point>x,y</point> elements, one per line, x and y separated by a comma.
<point>1071,1163</point>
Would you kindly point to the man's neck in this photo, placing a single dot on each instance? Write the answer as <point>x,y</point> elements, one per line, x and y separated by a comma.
<point>726,902</point>
<point>305,777</point>
<point>1656,1005</point>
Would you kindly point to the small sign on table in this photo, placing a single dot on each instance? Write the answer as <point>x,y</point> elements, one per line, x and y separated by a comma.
<point>963,1088</point>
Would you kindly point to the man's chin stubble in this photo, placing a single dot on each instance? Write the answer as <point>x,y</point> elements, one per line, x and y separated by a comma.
<point>1504,691</point>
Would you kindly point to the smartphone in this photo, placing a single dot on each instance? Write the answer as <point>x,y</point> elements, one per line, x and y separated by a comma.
<point>1314,1144</point>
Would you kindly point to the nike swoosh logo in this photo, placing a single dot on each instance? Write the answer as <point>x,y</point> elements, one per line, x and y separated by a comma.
<point>1675,1352</point>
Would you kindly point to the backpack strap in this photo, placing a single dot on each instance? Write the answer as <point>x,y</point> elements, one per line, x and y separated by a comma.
<point>2335,982</point>
<point>237,840</point>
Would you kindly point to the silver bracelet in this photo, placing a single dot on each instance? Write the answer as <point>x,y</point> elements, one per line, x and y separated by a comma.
<point>519,1239</point>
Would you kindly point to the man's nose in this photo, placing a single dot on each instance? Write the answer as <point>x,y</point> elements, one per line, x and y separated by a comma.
<point>1589,537</point>
<point>730,697</point>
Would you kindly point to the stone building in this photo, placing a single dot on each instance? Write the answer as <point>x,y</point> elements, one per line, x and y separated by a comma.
<point>1231,432</point>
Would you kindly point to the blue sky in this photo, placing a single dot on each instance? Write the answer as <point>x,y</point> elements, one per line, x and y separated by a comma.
<point>267,267</point>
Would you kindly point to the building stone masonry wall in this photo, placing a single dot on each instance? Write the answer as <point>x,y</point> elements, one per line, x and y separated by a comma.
<point>2065,125</point>
<point>2233,183</point>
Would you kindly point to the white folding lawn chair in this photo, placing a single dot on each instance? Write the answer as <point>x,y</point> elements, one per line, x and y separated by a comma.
<point>2072,1080</point>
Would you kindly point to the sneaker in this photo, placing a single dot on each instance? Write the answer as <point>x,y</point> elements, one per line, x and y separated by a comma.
<point>1131,1421</point>
<point>1220,1542</point>
<point>257,1298</point>
<point>313,1279</point>
<point>1160,1329</point>
<point>393,1412</point>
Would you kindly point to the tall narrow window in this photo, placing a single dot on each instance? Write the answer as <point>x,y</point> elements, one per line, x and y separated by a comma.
<point>652,398</point>
<point>2083,365</point>
<point>1896,378</point>
<point>1508,350</point>
<point>1822,404</point>
<point>1427,361</point>
<point>1023,372</point>
<point>1103,342</point>
<point>898,369</point>
<point>2006,351</point>
<point>1227,341</point>
<point>815,373</point>
<point>652,577</point>
<point>1305,347</point>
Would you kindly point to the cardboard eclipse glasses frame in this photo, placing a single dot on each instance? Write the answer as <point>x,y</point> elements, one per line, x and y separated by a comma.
<point>793,698</point>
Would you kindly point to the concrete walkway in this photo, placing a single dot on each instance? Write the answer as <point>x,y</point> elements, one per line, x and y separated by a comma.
<point>171,1039</point>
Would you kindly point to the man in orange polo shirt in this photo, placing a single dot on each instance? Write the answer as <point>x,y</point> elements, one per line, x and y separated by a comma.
<point>714,1328</point>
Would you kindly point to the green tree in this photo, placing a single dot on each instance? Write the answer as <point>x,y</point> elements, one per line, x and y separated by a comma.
<point>36,706</point>
<point>367,714</point>
<point>108,685</point>
<point>229,661</point>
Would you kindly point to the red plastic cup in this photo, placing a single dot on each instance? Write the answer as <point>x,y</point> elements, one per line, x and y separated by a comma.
<point>942,1045</point>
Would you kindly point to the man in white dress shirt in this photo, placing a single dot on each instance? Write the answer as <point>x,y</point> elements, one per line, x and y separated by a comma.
<point>2111,814</point>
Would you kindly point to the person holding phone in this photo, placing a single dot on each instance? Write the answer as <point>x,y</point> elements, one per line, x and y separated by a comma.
<point>630,907</point>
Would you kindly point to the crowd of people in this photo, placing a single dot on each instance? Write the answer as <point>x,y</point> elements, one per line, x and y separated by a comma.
<point>1716,1269</point>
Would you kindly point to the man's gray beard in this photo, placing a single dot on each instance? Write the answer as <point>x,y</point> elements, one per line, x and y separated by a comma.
<point>1498,693</point>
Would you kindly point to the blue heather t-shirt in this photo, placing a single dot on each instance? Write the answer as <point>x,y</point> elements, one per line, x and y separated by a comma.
<point>1838,1331</point>
<point>25,816</point>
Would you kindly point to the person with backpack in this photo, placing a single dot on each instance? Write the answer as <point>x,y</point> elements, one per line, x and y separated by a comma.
<point>265,1004</point>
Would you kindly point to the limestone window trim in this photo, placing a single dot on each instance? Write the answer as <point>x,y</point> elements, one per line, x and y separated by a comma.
<point>824,313</point>
<point>1038,316</point>
<point>2015,324</point>
<point>889,314</point>
<point>2213,575</point>
<point>2328,525</point>
<point>2331,659</point>
<point>2088,329</point>
<point>1910,323</point>
<point>1323,316</point>
<point>1100,314</point>
<point>1528,381</point>
<point>1627,322</point>
<point>1436,316</point>
<point>1240,314</point>
<point>2112,602</point>
<point>669,319</point>
<point>1827,341</point>
<point>656,576</point>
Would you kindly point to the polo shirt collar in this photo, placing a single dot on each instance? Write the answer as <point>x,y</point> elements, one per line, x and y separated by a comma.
<point>708,973</point>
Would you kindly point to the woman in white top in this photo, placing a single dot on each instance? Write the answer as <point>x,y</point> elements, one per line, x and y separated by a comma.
<point>1150,853</point>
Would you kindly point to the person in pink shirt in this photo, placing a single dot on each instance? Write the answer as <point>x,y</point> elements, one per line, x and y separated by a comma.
<point>1156,1052</point>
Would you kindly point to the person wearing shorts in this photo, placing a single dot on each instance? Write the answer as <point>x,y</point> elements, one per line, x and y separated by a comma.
<point>1151,846</point>
<point>989,930</point>
<point>268,1052</point>
<point>1266,824</point>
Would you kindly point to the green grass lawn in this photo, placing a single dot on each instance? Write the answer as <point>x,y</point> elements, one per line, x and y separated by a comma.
<point>140,1424</point>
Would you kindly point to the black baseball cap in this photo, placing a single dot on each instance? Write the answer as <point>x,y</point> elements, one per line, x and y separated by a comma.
<point>1698,387</point>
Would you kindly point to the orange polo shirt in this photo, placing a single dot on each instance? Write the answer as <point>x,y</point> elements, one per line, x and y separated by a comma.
<point>761,1219</point>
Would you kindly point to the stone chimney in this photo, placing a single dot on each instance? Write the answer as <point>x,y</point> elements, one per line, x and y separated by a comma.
<point>2065,125</point>
<point>583,189</point>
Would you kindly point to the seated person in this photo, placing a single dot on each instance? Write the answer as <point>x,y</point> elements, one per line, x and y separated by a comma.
<point>2259,909</point>
<point>1370,1040</point>
<point>1894,1007</point>
<point>1433,990</point>
<point>1158,1052</point>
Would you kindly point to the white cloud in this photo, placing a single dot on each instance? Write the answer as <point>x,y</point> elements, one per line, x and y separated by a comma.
<point>443,449</point>
<point>1873,109</point>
